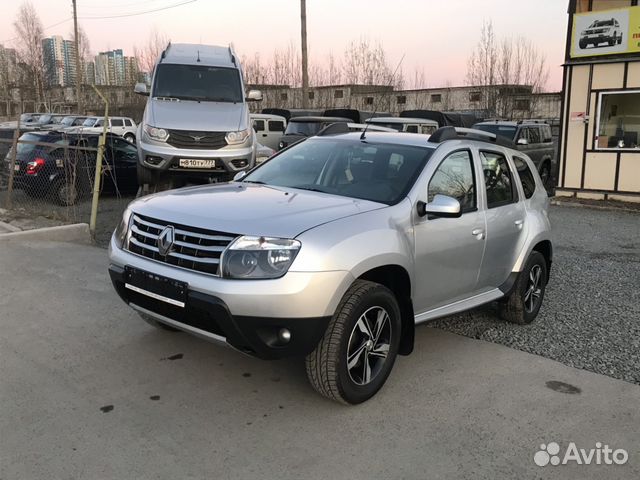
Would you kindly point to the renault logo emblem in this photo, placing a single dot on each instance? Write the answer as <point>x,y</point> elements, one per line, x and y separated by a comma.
<point>165,240</point>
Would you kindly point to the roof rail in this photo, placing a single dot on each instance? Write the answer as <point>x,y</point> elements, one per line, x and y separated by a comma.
<point>232,55</point>
<point>164,52</point>
<point>334,129</point>
<point>457,133</point>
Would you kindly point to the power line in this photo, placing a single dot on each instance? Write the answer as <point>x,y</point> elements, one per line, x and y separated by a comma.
<point>111,7</point>
<point>45,28</point>
<point>138,13</point>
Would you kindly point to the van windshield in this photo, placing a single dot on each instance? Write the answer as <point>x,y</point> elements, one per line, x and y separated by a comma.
<point>308,129</point>
<point>198,83</point>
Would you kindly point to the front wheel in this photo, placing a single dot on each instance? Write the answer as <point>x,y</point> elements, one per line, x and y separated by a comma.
<point>358,350</point>
<point>130,137</point>
<point>524,302</point>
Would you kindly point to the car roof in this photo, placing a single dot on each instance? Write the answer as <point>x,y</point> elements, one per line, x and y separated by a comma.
<point>311,119</point>
<point>401,120</point>
<point>394,138</point>
<point>198,54</point>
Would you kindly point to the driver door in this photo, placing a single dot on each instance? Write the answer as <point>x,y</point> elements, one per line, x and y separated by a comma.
<point>448,251</point>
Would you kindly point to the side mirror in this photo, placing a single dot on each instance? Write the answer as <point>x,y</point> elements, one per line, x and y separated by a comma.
<point>141,89</point>
<point>254,96</point>
<point>239,176</point>
<point>441,206</point>
<point>522,141</point>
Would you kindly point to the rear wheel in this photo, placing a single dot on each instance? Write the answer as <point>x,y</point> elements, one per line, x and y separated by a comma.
<point>583,44</point>
<point>524,302</point>
<point>130,137</point>
<point>358,350</point>
<point>64,192</point>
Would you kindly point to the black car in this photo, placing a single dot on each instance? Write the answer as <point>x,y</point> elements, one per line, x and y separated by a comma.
<point>61,167</point>
<point>303,127</point>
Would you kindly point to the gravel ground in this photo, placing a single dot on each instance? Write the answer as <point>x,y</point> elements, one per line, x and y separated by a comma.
<point>590,317</point>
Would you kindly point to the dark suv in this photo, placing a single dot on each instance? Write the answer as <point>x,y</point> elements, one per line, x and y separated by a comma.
<point>531,137</point>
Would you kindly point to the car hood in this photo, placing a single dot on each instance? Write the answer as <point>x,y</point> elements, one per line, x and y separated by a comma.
<point>197,116</point>
<point>247,209</point>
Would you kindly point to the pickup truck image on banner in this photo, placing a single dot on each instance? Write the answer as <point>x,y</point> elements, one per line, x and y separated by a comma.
<point>606,32</point>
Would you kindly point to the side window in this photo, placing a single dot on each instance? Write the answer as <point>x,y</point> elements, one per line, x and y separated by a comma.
<point>99,123</point>
<point>455,178</point>
<point>276,126</point>
<point>534,134</point>
<point>546,134</point>
<point>258,125</point>
<point>412,128</point>
<point>117,122</point>
<point>428,129</point>
<point>128,123</point>
<point>497,179</point>
<point>523,133</point>
<point>526,177</point>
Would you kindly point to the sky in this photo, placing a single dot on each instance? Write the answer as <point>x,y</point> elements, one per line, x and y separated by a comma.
<point>435,36</point>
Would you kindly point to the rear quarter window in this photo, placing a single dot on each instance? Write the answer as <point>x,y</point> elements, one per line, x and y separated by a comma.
<point>527,180</point>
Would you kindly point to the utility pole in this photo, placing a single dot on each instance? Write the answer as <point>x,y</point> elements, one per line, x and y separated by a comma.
<point>305,66</point>
<point>79,73</point>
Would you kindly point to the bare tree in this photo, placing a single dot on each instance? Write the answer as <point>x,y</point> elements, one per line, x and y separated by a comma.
<point>84,52</point>
<point>365,63</point>
<point>148,54</point>
<point>29,33</point>
<point>482,66</point>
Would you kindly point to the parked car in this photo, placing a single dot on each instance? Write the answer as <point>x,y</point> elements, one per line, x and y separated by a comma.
<point>72,121</point>
<point>410,125</point>
<point>444,119</point>
<point>263,153</point>
<point>601,31</point>
<point>64,173</point>
<point>299,128</point>
<point>125,127</point>
<point>268,128</point>
<point>196,122</point>
<point>338,246</point>
<point>531,137</point>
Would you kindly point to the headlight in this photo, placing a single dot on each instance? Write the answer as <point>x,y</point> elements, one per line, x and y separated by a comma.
<point>120,234</point>
<point>259,257</point>
<point>155,133</point>
<point>235,138</point>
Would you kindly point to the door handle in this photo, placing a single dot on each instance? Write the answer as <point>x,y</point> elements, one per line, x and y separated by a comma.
<point>478,233</point>
<point>519,223</point>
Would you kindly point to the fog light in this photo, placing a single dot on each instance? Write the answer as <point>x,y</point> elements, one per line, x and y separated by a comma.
<point>284,335</point>
<point>151,160</point>
<point>239,163</point>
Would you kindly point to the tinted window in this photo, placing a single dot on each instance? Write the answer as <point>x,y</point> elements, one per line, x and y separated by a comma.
<point>117,122</point>
<point>497,179</point>
<point>505,131</point>
<point>89,122</point>
<point>546,134</point>
<point>258,125</point>
<point>128,122</point>
<point>378,172</point>
<point>412,128</point>
<point>276,126</point>
<point>534,134</point>
<point>526,177</point>
<point>454,178</point>
<point>307,129</point>
<point>199,83</point>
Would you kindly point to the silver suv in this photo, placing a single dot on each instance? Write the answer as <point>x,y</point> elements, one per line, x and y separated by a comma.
<point>196,122</point>
<point>336,247</point>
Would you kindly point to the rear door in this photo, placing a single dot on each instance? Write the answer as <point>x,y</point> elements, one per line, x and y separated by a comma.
<point>505,215</point>
<point>275,129</point>
<point>117,126</point>
<point>124,160</point>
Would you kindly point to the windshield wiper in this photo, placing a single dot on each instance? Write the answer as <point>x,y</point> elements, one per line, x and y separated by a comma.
<point>257,182</point>
<point>168,99</point>
<point>310,189</point>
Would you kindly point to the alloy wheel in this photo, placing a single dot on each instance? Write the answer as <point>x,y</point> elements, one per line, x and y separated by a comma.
<point>533,293</point>
<point>369,345</point>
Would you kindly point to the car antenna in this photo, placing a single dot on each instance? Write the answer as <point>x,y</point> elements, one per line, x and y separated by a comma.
<point>375,109</point>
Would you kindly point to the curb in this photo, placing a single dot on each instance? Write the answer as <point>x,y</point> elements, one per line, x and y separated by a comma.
<point>8,227</point>
<point>75,233</point>
<point>606,208</point>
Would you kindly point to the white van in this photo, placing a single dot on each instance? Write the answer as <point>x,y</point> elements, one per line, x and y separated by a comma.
<point>409,125</point>
<point>269,128</point>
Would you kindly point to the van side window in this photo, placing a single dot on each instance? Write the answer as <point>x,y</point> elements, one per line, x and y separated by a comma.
<point>128,123</point>
<point>526,177</point>
<point>497,179</point>
<point>258,125</point>
<point>117,122</point>
<point>276,126</point>
<point>455,178</point>
<point>412,128</point>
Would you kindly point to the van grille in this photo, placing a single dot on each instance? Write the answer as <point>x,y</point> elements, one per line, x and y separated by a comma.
<point>193,248</point>
<point>197,140</point>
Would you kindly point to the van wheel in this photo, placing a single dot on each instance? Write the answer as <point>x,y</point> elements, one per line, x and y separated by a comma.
<point>523,304</point>
<point>154,323</point>
<point>355,356</point>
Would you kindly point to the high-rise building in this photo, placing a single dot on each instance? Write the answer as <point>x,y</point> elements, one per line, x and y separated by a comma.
<point>89,73</point>
<point>8,67</point>
<point>132,72</point>
<point>113,68</point>
<point>59,61</point>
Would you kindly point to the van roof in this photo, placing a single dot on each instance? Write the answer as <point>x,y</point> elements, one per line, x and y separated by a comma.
<point>208,55</point>
<point>401,120</point>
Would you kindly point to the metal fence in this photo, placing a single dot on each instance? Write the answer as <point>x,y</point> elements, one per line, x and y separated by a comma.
<point>46,183</point>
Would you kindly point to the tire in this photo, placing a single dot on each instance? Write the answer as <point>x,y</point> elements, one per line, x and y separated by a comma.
<point>130,137</point>
<point>582,44</point>
<point>154,323</point>
<point>523,304</point>
<point>620,38</point>
<point>64,193</point>
<point>353,329</point>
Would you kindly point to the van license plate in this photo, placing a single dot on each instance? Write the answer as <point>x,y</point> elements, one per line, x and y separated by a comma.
<point>196,163</point>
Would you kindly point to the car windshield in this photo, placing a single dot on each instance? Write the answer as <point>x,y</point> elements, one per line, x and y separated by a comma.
<point>308,129</point>
<point>505,131</point>
<point>89,122</point>
<point>378,172</point>
<point>67,121</point>
<point>396,126</point>
<point>44,119</point>
<point>604,23</point>
<point>199,83</point>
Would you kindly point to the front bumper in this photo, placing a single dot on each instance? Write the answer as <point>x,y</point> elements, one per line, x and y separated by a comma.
<point>246,314</point>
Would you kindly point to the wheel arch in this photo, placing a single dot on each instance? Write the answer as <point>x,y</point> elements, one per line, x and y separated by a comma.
<point>397,279</point>
<point>546,249</point>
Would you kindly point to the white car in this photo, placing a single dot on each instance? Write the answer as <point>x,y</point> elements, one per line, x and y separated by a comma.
<point>123,126</point>
<point>409,125</point>
<point>269,128</point>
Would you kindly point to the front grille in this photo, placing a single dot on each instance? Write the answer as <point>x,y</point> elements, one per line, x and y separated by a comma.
<point>193,248</point>
<point>197,140</point>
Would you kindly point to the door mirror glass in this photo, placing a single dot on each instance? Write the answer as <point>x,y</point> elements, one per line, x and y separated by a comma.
<point>239,176</point>
<point>141,89</point>
<point>254,96</point>
<point>522,141</point>
<point>440,206</point>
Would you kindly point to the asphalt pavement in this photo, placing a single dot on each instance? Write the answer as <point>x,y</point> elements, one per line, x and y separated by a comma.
<point>89,391</point>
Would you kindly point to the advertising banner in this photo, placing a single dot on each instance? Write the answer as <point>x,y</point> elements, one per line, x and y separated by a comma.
<point>606,32</point>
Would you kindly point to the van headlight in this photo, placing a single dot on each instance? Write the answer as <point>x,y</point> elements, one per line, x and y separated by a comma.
<point>236,138</point>
<point>259,257</point>
<point>120,233</point>
<point>155,133</point>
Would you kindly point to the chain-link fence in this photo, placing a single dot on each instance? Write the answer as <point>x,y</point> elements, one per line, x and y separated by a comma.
<point>48,179</point>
